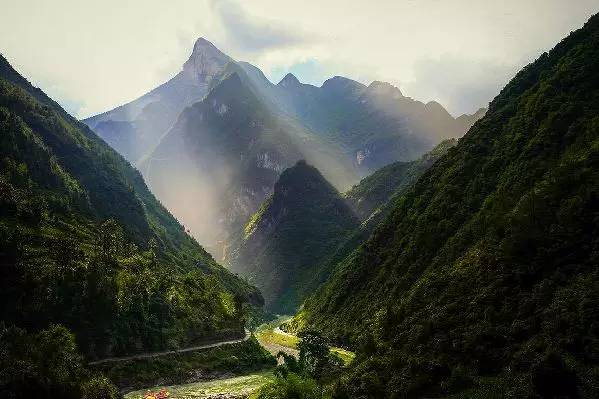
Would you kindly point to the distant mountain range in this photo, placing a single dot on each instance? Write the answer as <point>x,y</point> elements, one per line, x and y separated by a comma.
<point>213,140</point>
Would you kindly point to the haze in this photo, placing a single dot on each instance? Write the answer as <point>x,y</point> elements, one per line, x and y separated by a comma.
<point>94,56</point>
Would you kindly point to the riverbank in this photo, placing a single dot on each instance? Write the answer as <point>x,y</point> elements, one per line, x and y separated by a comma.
<point>224,388</point>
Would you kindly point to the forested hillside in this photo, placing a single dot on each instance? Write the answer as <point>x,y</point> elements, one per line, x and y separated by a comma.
<point>484,276</point>
<point>377,189</point>
<point>283,244</point>
<point>83,243</point>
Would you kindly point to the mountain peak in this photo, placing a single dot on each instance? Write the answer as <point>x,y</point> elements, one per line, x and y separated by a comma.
<point>340,84</point>
<point>435,107</point>
<point>205,61</point>
<point>204,46</point>
<point>384,89</point>
<point>289,81</point>
<point>303,204</point>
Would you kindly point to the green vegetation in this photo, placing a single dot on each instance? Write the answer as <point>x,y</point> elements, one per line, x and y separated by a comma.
<point>344,354</point>
<point>235,359</point>
<point>484,273</point>
<point>371,196</point>
<point>296,228</point>
<point>47,364</point>
<point>269,336</point>
<point>308,377</point>
<point>290,386</point>
<point>84,244</point>
<point>226,387</point>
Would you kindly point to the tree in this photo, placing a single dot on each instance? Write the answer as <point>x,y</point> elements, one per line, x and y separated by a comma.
<point>314,353</point>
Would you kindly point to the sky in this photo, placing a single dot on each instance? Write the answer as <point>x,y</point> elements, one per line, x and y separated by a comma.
<point>92,56</point>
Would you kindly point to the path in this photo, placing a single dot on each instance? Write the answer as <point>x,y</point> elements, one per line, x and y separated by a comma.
<point>164,353</point>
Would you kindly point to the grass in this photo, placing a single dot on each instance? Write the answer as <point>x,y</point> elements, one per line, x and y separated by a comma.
<point>243,385</point>
<point>344,354</point>
<point>269,336</point>
<point>236,359</point>
<point>266,335</point>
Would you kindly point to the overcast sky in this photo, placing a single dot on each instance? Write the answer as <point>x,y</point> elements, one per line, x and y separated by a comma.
<point>94,55</point>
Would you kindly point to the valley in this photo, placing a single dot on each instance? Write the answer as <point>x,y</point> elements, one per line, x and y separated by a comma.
<point>223,236</point>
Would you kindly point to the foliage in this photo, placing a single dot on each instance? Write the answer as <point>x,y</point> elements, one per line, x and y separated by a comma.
<point>99,388</point>
<point>313,354</point>
<point>487,267</point>
<point>46,365</point>
<point>286,240</point>
<point>290,386</point>
<point>238,359</point>
<point>84,243</point>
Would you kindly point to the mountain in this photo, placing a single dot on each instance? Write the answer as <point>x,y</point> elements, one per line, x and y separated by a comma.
<point>84,244</point>
<point>375,125</point>
<point>375,192</point>
<point>292,232</point>
<point>135,128</point>
<point>483,279</point>
<point>466,121</point>
<point>213,160</point>
<point>223,156</point>
<point>371,201</point>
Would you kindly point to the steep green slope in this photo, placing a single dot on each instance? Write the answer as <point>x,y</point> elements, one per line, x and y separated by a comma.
<point>377,189</point>
<point>372,200</point>
<point>292,232</point>
<point>84,243</point>
<point>488,266</point>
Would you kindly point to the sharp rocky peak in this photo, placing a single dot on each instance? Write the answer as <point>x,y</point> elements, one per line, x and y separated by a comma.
<point>289,81</point>
<point>205,61</point>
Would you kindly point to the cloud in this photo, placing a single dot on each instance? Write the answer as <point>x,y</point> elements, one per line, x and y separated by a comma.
<point>92,59</point>
<point>248,34</point>
<point>462,85</point>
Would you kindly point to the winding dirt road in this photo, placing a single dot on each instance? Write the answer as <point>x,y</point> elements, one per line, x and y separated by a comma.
<point>164,353</point>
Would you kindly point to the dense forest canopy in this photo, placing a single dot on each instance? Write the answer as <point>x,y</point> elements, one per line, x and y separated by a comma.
<point>83,243</point>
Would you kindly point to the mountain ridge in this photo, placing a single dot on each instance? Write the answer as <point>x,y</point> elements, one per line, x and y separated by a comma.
<point>81,234</point>
<point>346,129</point>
